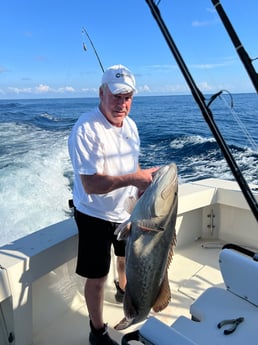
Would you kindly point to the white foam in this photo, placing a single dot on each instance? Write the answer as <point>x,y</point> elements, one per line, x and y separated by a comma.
<point>34,188</point>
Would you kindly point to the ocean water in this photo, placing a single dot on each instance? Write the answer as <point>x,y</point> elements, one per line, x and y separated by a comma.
<point>36,174</point>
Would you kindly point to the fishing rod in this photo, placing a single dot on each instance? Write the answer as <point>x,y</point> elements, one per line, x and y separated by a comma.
<point>84,31</point>
<point>94,49</point>
<point>247,62</point>
<point>206,112</point>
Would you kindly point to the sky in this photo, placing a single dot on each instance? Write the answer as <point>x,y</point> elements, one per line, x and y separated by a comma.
<point>42,53</point>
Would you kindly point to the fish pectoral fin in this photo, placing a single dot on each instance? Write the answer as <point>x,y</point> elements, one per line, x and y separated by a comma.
<point>149,225</point>
<point>123,230</point>
<point>164,296</point>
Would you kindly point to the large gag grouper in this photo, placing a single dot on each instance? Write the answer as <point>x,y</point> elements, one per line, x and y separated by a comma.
<point>150,233</point>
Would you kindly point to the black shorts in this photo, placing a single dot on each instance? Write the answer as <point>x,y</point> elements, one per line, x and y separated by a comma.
<point>94,247</point>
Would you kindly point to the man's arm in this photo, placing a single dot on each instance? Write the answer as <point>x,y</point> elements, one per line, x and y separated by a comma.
<point>101,184</point>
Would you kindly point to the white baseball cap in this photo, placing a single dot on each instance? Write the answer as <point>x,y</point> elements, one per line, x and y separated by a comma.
<point>119,79</point>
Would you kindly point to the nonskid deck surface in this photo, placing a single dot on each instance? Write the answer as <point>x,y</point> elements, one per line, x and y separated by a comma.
<point>193,269</point>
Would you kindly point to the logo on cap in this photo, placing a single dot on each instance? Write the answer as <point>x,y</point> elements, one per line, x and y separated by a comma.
<point>118,75</point>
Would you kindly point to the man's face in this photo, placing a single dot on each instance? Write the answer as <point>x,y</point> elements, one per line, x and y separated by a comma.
<point>115,107</point>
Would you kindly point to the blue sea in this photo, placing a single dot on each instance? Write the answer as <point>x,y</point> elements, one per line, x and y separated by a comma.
<point>36,174</point>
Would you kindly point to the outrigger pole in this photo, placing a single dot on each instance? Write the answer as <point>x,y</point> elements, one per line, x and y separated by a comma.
<point>247,62</point>
<point>206,112</point>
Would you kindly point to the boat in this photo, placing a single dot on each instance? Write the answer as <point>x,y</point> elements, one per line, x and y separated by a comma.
<point>41,298</point>
<point>213,278</point>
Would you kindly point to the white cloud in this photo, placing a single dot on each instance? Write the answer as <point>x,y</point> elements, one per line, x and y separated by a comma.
<point>225,63</point>
<point>204,86</point>
<point>89,89</point>
<point>144,88</point>
<point>20,90</point>
<point>198,23</point>
<point>65,89</point>
<point>211,10</point>
<point>42,88</point>
<point>207,66</point>
<point>212,21</point>
<point>162,89</point>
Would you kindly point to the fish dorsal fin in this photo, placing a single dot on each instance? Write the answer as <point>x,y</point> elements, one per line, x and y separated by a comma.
<point>164,296</point>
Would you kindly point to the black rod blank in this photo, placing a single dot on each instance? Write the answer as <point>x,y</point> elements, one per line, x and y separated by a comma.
<point>247,62</point>
<point>206,112</point>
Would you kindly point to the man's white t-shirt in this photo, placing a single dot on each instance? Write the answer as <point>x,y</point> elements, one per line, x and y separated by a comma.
<point>96,146</point>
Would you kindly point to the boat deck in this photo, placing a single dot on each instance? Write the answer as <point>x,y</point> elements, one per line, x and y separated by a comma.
<point>194,268</point>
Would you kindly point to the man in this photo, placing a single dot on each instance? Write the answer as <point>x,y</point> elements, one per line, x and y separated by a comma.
<point>104,150</point>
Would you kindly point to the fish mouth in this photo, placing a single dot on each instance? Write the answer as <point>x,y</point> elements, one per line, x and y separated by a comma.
<point>166,173</point>
<point>166,178</point>
<point>164,191</point>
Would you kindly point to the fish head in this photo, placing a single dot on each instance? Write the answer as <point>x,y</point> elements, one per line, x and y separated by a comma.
<point>157,201</point>
<point>163,189</point>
